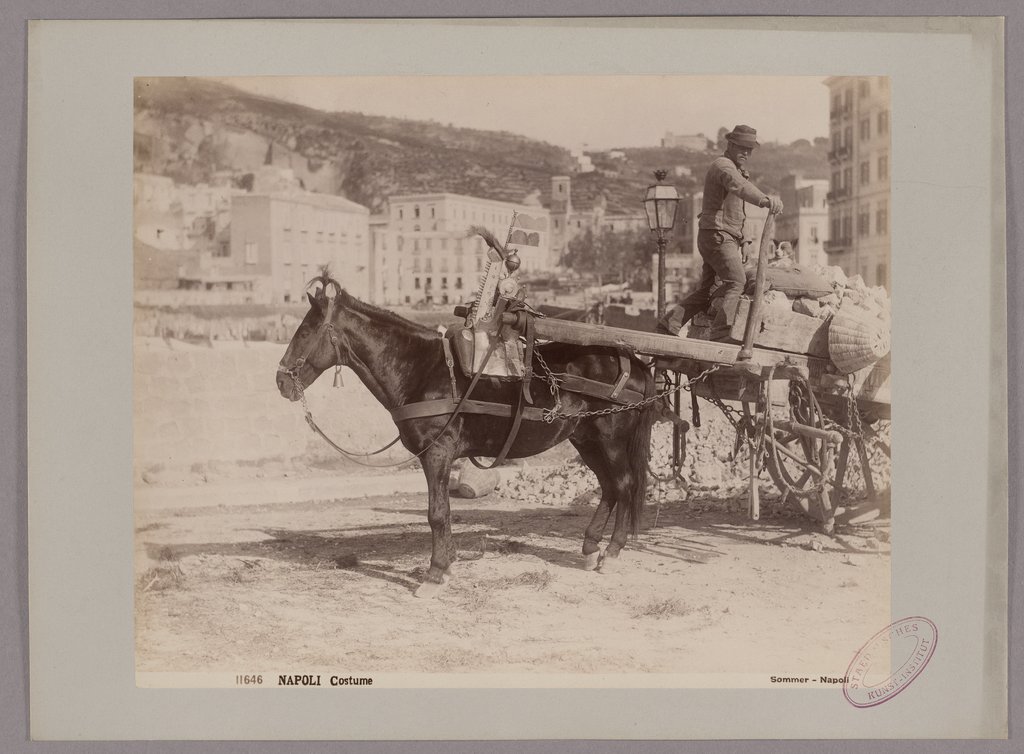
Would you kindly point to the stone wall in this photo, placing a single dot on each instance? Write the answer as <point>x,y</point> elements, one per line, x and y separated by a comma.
<point>218,403</point>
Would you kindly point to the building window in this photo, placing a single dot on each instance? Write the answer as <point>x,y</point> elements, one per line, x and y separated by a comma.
<point>880,273</point>
<point>416,211</point>
<point>416,283</point>
<point>863,89</point>
<point>836,185</point>
<point>223,249</point>
<point>432,212</point>
<point>865,129</point>
<point>458,284</point>
<point>882,219</point>
<point>251,252</point>
<point>848,100</point>
<point>848,136</point>
<point>883,122</point>
<point>883,167</point>
<point>814,233</point>
<point>444,283</point>
<point>865,173</point>
<point>847,178</point>
<point>863,222</point>
<point>401,215</point>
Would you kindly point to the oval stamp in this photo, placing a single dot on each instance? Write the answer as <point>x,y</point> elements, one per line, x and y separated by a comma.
<point>890,661</point>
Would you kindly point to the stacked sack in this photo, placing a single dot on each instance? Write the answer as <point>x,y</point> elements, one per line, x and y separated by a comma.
<point>859,316</point>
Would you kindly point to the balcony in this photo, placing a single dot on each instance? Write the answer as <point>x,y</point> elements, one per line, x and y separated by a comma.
<point>840,153</point>
<point>837,247</point>
<point>837,195</point>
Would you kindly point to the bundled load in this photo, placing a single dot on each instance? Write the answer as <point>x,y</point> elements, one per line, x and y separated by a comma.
<point>814,310</point>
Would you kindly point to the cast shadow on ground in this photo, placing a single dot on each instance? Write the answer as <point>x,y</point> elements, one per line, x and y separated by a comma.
<point>399,553</point>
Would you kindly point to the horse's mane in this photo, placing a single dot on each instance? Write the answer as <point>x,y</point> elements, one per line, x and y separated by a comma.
<point>346,299</point>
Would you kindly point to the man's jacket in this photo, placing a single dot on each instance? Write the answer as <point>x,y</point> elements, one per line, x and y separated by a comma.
<point>725,191</point>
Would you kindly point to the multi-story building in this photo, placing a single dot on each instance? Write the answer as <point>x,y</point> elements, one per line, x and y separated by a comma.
<point>804,223</point>
<point>858,202</point>
<point>385,262</point>
<point>279,241</point>
<point>439,261</point>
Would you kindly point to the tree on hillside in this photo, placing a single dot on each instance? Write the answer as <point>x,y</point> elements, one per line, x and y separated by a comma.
<point>613,256</point>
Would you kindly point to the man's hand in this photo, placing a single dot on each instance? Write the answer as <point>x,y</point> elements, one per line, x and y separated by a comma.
<point>774,205</point>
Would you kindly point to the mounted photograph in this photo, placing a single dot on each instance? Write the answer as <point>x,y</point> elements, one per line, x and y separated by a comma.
<point>513,381</point>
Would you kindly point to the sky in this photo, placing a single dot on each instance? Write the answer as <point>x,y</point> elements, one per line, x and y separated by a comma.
<point>592,112</point>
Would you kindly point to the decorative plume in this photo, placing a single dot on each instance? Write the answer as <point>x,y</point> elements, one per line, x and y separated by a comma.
<point>493,242</point>
<point>325,280</point>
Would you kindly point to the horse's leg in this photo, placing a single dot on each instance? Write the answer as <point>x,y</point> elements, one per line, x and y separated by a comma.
<point>621,480</point>
<point>627,469</point>
<point>594,457</point>
<point>437,465</point>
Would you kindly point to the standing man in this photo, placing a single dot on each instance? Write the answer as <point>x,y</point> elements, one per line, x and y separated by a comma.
<point>720,235</point>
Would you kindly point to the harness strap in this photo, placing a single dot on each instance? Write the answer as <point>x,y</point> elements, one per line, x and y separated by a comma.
<point>450,361</point>
<point>576,384</point>
<point>624,370</point>
<point>442,406</point>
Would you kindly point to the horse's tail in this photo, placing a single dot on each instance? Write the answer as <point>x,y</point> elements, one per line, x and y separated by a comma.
<point>639,448</point>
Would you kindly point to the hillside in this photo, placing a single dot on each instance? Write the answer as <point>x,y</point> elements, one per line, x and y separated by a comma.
<point>189,129</point>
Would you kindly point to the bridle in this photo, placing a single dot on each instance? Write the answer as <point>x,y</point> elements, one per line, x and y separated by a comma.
<point>327,326</point>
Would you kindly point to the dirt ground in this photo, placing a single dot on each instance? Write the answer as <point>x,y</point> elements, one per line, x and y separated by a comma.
<point>328,583</point>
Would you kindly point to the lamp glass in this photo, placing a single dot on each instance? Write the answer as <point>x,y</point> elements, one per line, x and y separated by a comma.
<point>660,205</point>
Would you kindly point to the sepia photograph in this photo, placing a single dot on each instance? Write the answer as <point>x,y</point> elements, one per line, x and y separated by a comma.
<point>504,381</point>
<point>568,375</point>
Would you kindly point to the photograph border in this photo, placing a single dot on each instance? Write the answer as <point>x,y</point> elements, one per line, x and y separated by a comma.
<point>996,284</point>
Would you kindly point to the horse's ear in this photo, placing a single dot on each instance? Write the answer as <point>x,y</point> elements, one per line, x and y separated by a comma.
<point>312,301</point>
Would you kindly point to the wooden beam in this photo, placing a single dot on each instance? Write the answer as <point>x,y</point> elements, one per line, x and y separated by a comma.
<point>671,346</point>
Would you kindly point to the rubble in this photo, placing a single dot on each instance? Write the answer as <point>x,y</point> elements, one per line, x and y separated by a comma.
<point>711,478</point>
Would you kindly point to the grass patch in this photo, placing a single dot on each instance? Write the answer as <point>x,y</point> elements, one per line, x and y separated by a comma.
<point>161,578</point>
<point>505,546</point>
<point>538,580</point>
<point>667,608</point>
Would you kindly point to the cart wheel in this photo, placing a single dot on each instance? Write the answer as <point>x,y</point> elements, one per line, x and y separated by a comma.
<point>801,464</point>
<point>858,498</point>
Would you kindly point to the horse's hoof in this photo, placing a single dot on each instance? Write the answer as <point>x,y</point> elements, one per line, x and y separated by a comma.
<point>610,563</point>
<point>591,560</point>
<point>430,589</point>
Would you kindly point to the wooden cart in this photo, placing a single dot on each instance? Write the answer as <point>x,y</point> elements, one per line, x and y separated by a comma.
<point>798,415</point>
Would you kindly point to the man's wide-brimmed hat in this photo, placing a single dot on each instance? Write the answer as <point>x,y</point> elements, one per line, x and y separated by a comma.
<point>743,136</point>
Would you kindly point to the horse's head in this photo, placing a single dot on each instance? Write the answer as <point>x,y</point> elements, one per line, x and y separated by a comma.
<point>317,344</point>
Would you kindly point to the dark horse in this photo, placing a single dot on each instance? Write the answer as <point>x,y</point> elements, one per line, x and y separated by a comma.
<point>401,363</point>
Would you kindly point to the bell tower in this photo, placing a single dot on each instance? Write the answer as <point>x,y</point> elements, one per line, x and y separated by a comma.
<point>561,209</point>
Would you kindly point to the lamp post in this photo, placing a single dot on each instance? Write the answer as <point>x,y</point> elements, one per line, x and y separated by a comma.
<point>660,204</point>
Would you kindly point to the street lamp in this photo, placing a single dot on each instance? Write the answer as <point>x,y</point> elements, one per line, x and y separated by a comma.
<point>660,204</point>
